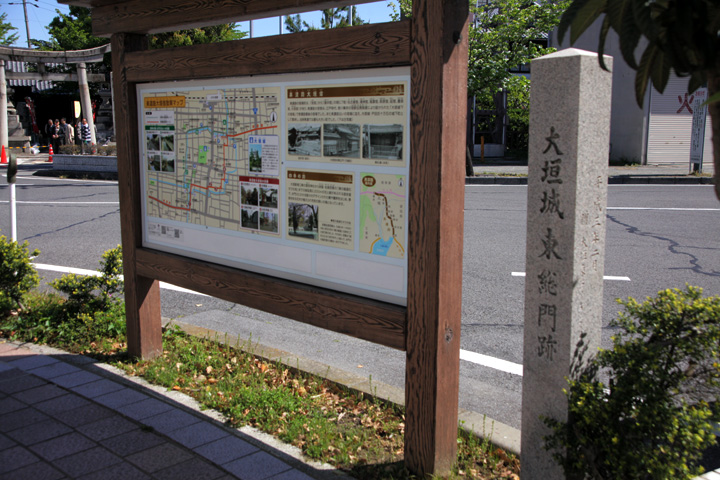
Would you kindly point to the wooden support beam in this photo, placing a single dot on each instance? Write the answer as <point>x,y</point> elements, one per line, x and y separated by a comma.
<point>142,294</point>
<point>359,317</point>
<point>376,45</point>
<point>153,16</point>
<point>437,170</point>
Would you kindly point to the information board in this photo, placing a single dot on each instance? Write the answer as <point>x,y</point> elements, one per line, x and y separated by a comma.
<point>303,177</point>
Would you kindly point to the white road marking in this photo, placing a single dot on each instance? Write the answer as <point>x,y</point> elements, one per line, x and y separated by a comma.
<point>605,277</point>
<point>667,208</point>
<point>49,202</point>
<point>95,273</point>
<point>491,362</point>
<point>57,179</point>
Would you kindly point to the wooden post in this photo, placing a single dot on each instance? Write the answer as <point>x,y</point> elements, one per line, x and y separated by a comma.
<point>142,294</point>
<point>437,172</point>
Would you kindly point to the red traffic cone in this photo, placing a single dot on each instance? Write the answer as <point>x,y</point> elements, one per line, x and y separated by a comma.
<point>51,155</point>
<point>3,156</point>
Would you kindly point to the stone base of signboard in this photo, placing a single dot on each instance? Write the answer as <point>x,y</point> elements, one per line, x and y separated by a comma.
<point>85,163</point>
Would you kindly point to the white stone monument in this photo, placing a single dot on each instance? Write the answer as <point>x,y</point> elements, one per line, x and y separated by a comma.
<point>570,101</point>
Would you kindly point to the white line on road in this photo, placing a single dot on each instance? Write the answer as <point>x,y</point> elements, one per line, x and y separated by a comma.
<point>49,202</point>
<point>57,179</point>
<point>491,362</point>
<point>667,208</point>
<point>94,273</point>
<point>605,277</point>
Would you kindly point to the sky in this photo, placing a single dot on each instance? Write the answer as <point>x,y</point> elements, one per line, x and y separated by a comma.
<point>41,12</point>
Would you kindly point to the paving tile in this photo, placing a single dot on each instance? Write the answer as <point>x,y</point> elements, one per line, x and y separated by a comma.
<point>53,370</point>
<point>171,420</point>
<point>60,447</point>
<point>6,442</point>
<point>145,408</point>
<point>292,475</point>
<point>97,388</point>
<point>87,461</point>
<point>10,374</point>
<point>19,382</point>
<point>14,458</point>
<point>5,367</point>
<point>21,418</point>
<point>257,466</point>
<point>157,458</point>
<point>193,469</point>
<point>121,398</point>
<point>226,450</point>
<point>132,442</point>
<point>9,404</point>
<point>66,402</point>
<point>119,471</point>
<point>32,361</point>
<point>35,471</point>
<point>83,415</point>
<point>74,379</point>
<point>197,434</point>
<point>39,394</point>
<point>39,432</point>
<point>107,427</point>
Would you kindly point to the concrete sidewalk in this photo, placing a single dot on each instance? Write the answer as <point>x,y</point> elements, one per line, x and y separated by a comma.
<point>65,416</point>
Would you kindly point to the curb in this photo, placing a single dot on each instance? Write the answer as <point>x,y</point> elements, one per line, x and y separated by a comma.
<point>615,180</point>
<point>499,434</point>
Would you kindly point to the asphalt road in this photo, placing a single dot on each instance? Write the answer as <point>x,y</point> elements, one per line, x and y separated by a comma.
<point>658,236</point>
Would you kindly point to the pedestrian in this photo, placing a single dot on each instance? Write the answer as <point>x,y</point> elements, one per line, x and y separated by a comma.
<point>78,134</point>
<point>69,134</point>
<point>48,131</point>
<point>85,133</point>
<point>56,136</point>
<point>63,133</point>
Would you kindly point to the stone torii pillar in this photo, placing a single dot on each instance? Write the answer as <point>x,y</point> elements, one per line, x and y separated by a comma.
<point>85,101</point>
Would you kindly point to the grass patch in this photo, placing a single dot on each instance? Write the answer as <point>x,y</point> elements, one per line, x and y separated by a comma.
<point>350,430</point>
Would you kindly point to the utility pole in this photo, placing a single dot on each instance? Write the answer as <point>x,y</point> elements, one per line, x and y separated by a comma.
<point>27,25</point>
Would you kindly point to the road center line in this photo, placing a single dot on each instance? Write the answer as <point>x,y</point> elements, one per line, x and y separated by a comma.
<point>492,362</point>
<point>605,277</point>
<point>95,273</point>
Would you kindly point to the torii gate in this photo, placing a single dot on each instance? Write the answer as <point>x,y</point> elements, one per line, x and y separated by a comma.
<point>41,57</point>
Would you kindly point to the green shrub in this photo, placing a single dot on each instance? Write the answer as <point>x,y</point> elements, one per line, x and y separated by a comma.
<point>653,419</point>
<point>17,275</point>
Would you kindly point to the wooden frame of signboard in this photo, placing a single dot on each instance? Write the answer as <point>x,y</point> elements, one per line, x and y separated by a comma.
<point>434,44</point>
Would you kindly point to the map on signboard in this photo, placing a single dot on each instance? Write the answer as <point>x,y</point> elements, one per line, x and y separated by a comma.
<point>213,157</point>
<point>382,214</point>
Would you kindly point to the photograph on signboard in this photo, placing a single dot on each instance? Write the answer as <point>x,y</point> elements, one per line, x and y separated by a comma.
<point>303,220</point>
<point>256,158</point>
<point>383,141</point>
<point>341,140</point>
<point>249,194</point>
<point>269,220</point>
<point>168,163</point>
<point>304,139</point>
<point>249,217</point>
<point>154,163</point>
<point>167,143</point>
<point>269,196</point>
<point>153,142</point>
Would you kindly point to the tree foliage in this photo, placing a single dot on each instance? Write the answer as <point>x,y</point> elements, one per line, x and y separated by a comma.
<point>681,36</point>
<point>8,34</point>
<point>652,420</point>
<point>331,18</point>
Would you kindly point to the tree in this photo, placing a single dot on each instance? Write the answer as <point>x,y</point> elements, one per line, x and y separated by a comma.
<point>331,18</point>
<point>504,35</point>
<point>7,36</point>
<point>681,36</point>
<point>214,34</point>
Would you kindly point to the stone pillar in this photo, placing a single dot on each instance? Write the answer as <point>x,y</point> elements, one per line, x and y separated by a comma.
<point>567,195</point>
<point>85,101</point>
<point>3,109</point>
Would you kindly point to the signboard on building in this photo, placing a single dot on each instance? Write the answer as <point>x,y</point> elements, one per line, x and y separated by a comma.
<point>289,176</point>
